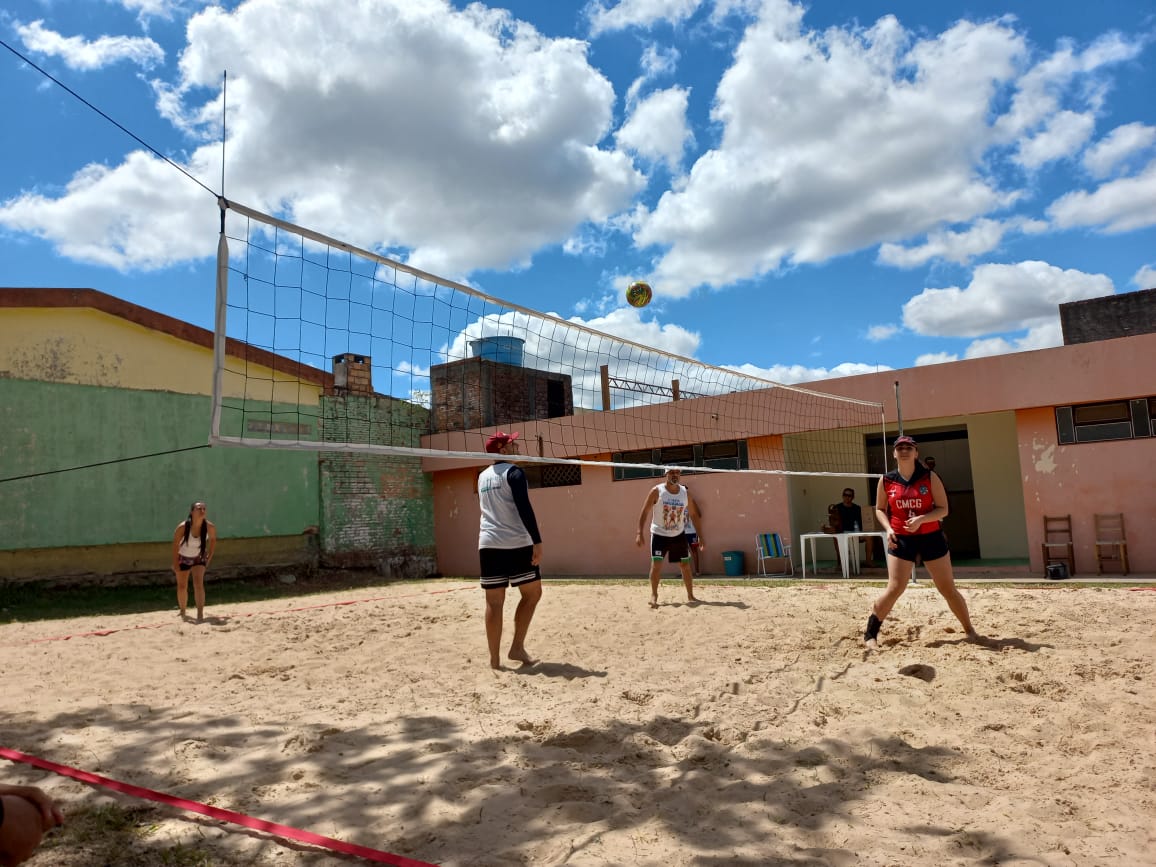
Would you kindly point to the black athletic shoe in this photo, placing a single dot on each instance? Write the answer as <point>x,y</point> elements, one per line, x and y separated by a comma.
<point>872,631</point>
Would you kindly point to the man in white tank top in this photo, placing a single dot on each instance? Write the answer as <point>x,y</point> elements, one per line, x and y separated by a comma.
<point>667,507</point>
<point>509,548</point>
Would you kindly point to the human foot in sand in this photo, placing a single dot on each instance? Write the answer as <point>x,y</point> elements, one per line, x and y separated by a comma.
<point>521,655</point>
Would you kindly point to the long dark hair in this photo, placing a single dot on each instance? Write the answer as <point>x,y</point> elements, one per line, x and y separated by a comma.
<point>189,526</point>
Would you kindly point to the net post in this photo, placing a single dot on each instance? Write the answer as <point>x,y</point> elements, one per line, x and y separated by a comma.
<point>219,323</point>
<point>604,374</point>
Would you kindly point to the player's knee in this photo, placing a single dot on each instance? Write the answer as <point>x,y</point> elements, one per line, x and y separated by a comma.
<point>21,831</point>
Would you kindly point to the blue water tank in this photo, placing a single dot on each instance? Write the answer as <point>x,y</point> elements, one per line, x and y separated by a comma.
<point>507,350</point>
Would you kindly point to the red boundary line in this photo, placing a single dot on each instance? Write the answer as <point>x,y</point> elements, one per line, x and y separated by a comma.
<point>216,812</point>
<point>103,632</point>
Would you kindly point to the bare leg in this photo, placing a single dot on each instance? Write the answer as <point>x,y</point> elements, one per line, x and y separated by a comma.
<point>655,572</point>
<point>687,580</point>
<point>523,614</point>
<point>182,591</point>
<point>199,591</point>
<point>898,574</point>
<point>495,603</point>
<point>944,579</point>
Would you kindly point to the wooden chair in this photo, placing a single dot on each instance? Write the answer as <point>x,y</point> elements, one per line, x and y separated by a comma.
<point>1058,547</point>
<point>770,546</point>
<point>1111,542</point>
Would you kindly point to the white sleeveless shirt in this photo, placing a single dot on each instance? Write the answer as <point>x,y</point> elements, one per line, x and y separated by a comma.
<point>670,512</point>
<point>501,524</point>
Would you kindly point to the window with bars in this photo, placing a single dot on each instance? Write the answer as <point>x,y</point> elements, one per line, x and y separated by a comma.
<point>1107,420</point>
<point>724,455</point>
<point>553,475</point>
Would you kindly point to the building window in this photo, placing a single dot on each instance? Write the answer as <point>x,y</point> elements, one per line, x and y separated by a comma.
<point>552,475</point>
<point>725,455</point>
<point>1109,420</point>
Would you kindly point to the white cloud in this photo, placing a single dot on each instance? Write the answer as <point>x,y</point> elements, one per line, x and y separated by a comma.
<point>83,54</point>
<point>610,16</point>
<point>491,153</point>
<point>961,247</point>
<point>793,374</point>
<point>656,61</point>
<point>1062,136</point>
<point>1145,278</point>
<point>657,129</point>
<point>879,333</point>
<point>1040,337</point>
<point>1002,298</point>
<point>794,107</point>
<point>1122,205</point>
<point>137,215</point>
<point>935,358</point>
<point>1116,147</point>
<point>165,9</point>
<point>1040,92</point>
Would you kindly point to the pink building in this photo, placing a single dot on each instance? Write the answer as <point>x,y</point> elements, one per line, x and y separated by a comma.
<point>1067,430</point>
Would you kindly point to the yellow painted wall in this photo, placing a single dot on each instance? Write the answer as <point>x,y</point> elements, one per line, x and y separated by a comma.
<point>998,484</point>
<point>82,346</point>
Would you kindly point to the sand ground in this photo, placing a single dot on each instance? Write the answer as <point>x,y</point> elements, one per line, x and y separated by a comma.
<point>750,729</point>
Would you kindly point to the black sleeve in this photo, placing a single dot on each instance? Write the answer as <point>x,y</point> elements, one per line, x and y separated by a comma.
<point>520,489</point>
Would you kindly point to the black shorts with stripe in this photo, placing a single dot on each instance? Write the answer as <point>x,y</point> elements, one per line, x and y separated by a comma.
<point>508,567</point>
<point>925,546</point>
<point>677,548</point>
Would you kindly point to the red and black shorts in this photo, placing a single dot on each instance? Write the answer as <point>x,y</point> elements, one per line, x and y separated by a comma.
<point>187,563</point>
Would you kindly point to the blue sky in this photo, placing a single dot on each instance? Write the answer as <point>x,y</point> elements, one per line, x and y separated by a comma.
<point>812,191</point>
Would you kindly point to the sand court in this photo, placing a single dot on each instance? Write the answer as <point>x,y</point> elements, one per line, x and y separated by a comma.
<point>750,729</point>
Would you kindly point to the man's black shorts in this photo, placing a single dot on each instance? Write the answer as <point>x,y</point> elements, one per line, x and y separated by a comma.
<point>508,567</point>
<point>928,546</point>
<point>675,547</point>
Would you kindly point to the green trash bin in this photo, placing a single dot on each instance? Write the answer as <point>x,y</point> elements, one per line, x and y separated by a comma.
<point>733,563</point>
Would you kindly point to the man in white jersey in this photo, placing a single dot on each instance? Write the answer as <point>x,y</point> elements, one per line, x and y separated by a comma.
<point>667,507</point>
<point>509,548</point>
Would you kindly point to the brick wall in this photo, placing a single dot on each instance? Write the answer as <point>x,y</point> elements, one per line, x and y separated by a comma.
<point>1108,317</point>
<point>479,392</point>
<point>376,510</point>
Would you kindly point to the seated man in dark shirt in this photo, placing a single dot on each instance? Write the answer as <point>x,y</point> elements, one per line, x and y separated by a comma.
<point>851,520</point>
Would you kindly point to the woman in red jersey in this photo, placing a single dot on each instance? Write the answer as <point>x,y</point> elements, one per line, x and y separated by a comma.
<point>910,502</point>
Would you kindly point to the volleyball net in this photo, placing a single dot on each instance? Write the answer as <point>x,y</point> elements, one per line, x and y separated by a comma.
<point>322,345</point>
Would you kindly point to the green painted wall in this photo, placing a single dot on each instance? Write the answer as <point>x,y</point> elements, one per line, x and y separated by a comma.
<point>51,426</point>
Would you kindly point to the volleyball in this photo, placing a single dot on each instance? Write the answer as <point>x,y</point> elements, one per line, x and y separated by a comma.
<point>638,294</point>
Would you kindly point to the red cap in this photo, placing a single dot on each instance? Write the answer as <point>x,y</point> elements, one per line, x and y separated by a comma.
<point>903,440</point>
<point>498,439</point>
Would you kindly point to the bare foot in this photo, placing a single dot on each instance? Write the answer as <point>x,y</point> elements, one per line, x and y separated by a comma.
<point>653,601</point>
<point>521,656</point>
<point>693,599</point>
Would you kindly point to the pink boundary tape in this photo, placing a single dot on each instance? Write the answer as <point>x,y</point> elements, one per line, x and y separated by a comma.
<point>273,828</point>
